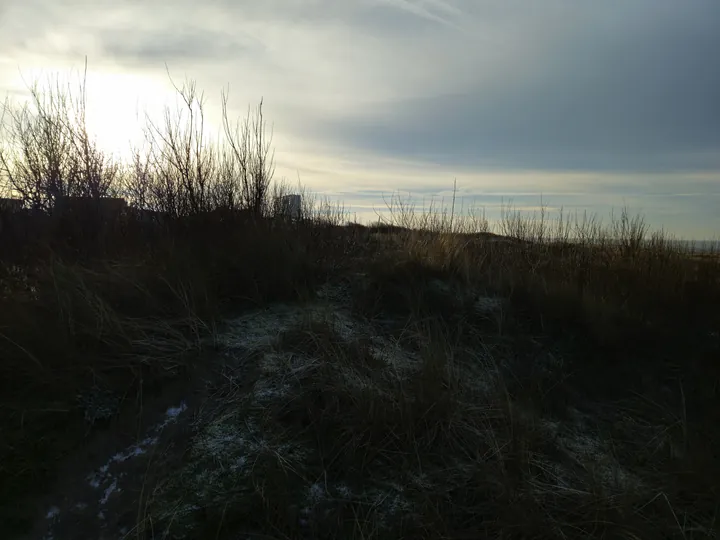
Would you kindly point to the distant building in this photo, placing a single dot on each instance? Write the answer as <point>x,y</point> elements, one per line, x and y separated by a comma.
<point>291,206</point>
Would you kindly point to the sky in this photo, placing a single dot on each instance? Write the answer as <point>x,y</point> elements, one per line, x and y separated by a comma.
<point>590,105</point>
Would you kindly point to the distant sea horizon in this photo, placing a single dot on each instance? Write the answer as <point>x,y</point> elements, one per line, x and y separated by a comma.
<point>704,246</point>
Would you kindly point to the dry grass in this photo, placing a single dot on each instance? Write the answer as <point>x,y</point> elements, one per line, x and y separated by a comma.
<point>433,414</point>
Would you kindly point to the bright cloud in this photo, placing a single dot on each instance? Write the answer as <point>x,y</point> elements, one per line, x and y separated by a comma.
<point>591,103</point>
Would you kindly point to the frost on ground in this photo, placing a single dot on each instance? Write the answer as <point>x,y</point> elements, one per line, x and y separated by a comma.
<point>104,476</point>
<point>53,512</point>
<point>422,429</point>
<point>236,451</point>
<point>242,457</point>
<point>107,481</point>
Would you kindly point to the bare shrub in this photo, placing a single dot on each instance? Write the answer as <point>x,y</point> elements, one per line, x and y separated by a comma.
<point>249,159</point>
<point>181,173</point>
<point>46,151</point>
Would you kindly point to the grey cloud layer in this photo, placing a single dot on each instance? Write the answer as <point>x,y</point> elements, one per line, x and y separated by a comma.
<point>640,93</point>
<point>512,84</point>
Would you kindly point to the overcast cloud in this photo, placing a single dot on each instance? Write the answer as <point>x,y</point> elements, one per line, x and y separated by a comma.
<point>600,103</point>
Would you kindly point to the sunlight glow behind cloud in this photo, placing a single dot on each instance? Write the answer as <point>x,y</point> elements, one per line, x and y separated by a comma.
<point>597,104</point>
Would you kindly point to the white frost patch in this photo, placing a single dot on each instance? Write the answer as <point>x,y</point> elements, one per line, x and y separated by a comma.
<point>390,503</point>
<point>268,390</point>
<point>583,447</point>
<point>550,427</point>
<point>109,491</point>
<point>346,327</point>
<point>344,491</point>
<point>132,451</point>
<point>52,513</point>
<point>421,481</point>
<point>232,445</point>
<point>103,477</point>
<point>224,454</point>
<point>174,412</point>
<point>552,477</point>
<point>397,358</point>
<point>258,329</point>
<point>357,380</point>
<point>284,364</point>
<point>171,416</point>
<point>219,439</point>
<point>316,493</point>
<point>95,480</point>
<point>387,502</point>
<point>240,463</point>
<point>487,304</point>
<point>590,454</point>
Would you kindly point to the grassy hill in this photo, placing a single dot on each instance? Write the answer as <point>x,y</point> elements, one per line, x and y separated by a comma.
<point>211,376</point>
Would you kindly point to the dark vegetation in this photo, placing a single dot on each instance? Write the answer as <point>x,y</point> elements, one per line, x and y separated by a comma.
<point>116,298</point>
